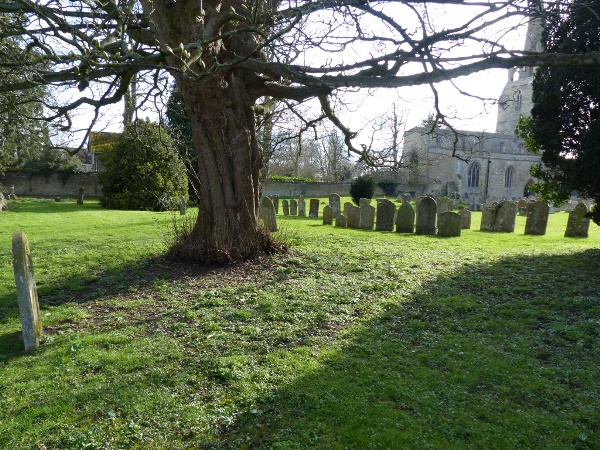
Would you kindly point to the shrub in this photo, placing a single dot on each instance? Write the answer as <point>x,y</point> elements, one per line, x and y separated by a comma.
<point>362,187</point>
<point>142,170</point>
<point>388,186</point>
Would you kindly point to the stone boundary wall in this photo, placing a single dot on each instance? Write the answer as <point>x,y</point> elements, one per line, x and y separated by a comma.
<point>308,189</point>
<point>51,185</point>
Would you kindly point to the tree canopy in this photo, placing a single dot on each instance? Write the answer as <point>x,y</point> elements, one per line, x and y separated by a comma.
<point>565,119</point>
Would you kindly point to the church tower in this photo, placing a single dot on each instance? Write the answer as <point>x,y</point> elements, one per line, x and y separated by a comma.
<point>516,97</point>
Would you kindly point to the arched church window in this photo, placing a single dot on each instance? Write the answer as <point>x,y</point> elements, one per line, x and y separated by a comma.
<point>502,147</point>
<point>473,179</point>
<point>508,177</point>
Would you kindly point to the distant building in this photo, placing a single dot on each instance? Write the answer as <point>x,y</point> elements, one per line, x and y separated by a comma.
<point>98,142</point>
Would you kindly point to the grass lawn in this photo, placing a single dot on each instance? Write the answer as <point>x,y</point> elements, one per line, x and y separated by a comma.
<point>352,340</point>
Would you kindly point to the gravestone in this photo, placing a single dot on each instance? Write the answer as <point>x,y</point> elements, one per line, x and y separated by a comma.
<point>11,195</point>
<point>301,207</point>
<point>182,205</point>
<point>537,218</point>
<point>3,203</point>
<point>578,225</point>
<point>522,207</point>
<point>327,215</point>
<point>352,212</point>
<point>405,219</point>
<point>444,204</point>
<point>267,214</point>
<point>313,210</point>
<point>80,196</point>
<point>364,202</point>
<point>286,207</point>
<point>386,210</point>
<point>465,218</point>
<point>293,207</point>
<point>449,224</point>
<point>506,217</point>
<point>29,308</point>
<point>334,202</point>
<point>57,199</point>
<point>276,203</point>
<point>488,218</point>
<point>426,215</point>
<point>366,219</point>
<point>341,221</point>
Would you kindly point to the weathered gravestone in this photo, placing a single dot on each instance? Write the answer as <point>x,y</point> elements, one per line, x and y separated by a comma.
<point>301,207</point>
<point>426,216</point>
<point>488,218</point>
<point>386,210</point>
<point>364,202</point>
<point>506,216</point>
<point>80,196</point>
<point>3,203</point>
<point>267,214</point>
<point>537,218</point>
<point>334,202</point>
<point>465,218</point>
<point>313,210</point>
<point>449,224</point>
<point>293,207</point>
<point>405,219</point>
<point>286,207</point>
<point>366,219</point>
<point>522,207</point>
<point>276,203</point>
<point>578,225</point>
<point>182,206</point>
<point>352,212</point>
<point>29,308</point>
<point>444,204</point>
<point>341,221</point>
<point>327,215</point>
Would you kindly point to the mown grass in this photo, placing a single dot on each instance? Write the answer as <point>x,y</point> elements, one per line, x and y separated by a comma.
<point>352,340</point>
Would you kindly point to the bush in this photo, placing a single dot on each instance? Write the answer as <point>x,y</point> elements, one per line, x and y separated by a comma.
<point>388,186</point>
<point>142,170</point>
<point>362,187</point>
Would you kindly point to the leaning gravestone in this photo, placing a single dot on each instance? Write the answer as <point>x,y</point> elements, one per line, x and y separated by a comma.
<point>352,212</point>
<point>449,224</point>
<point>341,221</point>
<point>267,214</point>
<point>334,202</point>
<point>465,218</point>
<point>386,210</point>
<point>578,224</point>
<point>366,219</point>
<point>327,215</point>
<point>29,308</point>
<point>293,207</point>
<point>313,209</point>
<point>405,219</point>
<point>182,206</point>
<point>286,207</point>
<point>506,217</point>
<point>426,215</point>
<point>301,207</point>
<point>80,196</point>
<point>537,218</point>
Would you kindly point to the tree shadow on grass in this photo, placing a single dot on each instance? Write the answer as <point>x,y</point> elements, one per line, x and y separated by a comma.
<point>504,355</point>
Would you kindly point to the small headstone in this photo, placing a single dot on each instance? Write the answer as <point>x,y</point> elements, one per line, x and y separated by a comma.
<point>301,207</point>
<point>341,221</point>
<point>449,224</point>
<point>465,218</point>
<point>578,224</point>
<point>276,203</point>
<point>334,202</point>
<point>537,218</point>
<point>267,214</point>
<point>80,196</point>
<point>366,219</point>
<point>293,207</point>
<point>57,199</point>
<point>313,210</point>
<point>364,202</point>
<point>386,210</point>
<point>29,308</point>
<point>182,205</point>
<point>327,215</point>
<point>286,207</point>
<point>506,216</point>
<point>405,219</point>
<point>352,212</point>
<point>3,203</point>
<point>522,203</point>
<point>426,215</point>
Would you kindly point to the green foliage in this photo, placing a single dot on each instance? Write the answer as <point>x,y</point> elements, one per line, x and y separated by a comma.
<point>142,170</point>
<point>49,160</point>
<point>362,187</point>
<point>388,186</point>
<point>565,122</point>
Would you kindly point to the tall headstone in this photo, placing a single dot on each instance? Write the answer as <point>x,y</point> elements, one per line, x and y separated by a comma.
<point>386,211</point>
<point>537,218</point>
<point>578,224</point>
<point>334,202</point>
<point>506,216</point>
<point>426,215</point>
<point>465,218</point>
<point>352,212</point>
<point>80,196</point>
<point>488,218</point>
<point>327,215</point>
<point>267,214</point>
<point>286,207</point>
<point>313,209</point>
<point>449,224</point>
<point>29,308</point>
<point>405,219</point>
<point>276,203</point>
<point>301,207</point>
<point>444,204</point>
<point>293,207</point>
<point>341,221</point>
<point>182,205</point>
<point>366,219</point>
